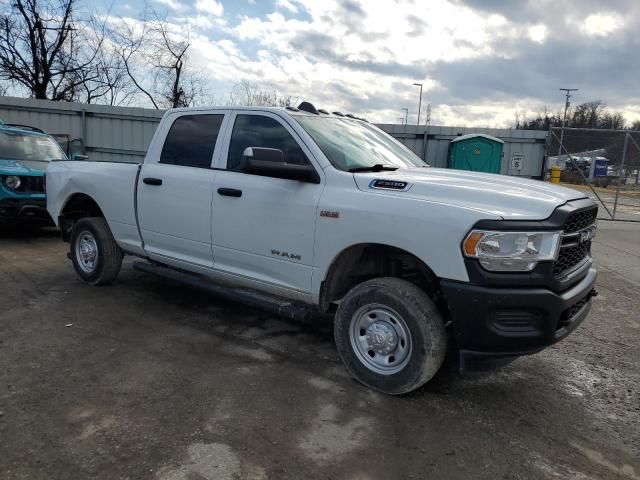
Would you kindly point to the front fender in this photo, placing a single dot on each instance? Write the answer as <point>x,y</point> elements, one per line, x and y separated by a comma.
<point>431,231</point>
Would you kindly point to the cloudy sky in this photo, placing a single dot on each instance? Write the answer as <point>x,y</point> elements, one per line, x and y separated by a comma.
<point>479,60</point>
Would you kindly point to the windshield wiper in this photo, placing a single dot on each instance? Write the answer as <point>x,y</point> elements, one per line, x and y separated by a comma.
<point>378,167</point>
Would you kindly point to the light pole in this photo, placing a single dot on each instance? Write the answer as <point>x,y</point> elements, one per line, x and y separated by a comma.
<point>419,101</point>
<point>406,115</point>
<point>564,118</point>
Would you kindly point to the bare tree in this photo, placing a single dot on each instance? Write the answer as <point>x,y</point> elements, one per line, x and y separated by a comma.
<point>169,57</point>
<point>129,40</point>
<point>250,94</point>
<point>520,118</point>
<point>105,80</point>
<point>156,60</point>
<point>593,114</point>
<point>112,85</point>
<point>45,50</point>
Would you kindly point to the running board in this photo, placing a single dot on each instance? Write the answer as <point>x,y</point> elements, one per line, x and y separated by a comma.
<point>272,304</point>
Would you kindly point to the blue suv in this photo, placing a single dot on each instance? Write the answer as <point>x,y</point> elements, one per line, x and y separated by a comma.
<point>25,153</point>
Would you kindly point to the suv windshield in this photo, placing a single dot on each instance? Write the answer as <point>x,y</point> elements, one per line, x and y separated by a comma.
<point>16,145</point>
<point>353,145</point>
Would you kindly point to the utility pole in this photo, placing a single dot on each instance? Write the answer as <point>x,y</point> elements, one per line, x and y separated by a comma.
<point>419,101</point>
<point>406,115</point>
<point>564,118</point>
<point>428,115</point>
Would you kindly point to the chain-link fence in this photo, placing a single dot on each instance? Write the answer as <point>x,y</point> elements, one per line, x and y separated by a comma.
<point>603,163</point>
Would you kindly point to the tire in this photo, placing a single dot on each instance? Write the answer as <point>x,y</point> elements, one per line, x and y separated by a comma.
<point>400,324</point>
<point>94,252</point>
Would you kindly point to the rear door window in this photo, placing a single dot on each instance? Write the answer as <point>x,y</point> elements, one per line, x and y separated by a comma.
<point>191,141</point>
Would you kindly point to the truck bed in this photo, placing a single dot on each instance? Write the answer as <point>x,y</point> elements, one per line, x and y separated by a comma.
<point>111,184</point>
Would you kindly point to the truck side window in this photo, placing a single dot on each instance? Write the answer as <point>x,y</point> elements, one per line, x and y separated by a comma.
<point>191,141</point>
<point>264,132</point>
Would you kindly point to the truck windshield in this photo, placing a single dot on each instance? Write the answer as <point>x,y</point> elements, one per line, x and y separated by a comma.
<point>23,146</point>
<point>353,145</point>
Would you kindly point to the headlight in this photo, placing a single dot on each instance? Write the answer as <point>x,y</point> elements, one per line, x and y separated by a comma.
<point>12,182</point>
<point>511,251</point>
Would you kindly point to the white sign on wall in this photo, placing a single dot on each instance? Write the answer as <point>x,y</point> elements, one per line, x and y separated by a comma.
<point>517,160</point>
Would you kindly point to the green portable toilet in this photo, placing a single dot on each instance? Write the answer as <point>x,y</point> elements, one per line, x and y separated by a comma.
<point>476,152</point>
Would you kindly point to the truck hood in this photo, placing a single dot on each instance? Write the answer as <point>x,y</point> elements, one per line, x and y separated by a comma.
<point>22,167</point>
<point>511,198</point>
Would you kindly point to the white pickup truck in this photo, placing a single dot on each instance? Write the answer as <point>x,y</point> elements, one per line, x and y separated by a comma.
<point>305,210</point>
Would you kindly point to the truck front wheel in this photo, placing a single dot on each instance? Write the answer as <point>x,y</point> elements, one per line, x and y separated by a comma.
<point>390,335</point>
<point>95,254</point>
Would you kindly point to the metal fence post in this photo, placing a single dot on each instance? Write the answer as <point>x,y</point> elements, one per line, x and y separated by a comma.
<point>570,159</point>
<point>638,148</point>
<point>545,156</point>
<point>620,170</point>
<point>83,128</point>
<point>424,144</point>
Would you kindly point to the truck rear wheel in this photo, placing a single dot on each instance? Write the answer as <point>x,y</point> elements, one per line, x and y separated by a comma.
<point>390,335</point>
<point>95,254</point>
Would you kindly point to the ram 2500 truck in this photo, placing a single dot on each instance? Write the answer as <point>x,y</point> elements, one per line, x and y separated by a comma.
<point>311,210</point>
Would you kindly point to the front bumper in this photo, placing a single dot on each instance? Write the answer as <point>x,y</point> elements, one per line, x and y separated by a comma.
<point>27,209</point>
<point>497,322</point>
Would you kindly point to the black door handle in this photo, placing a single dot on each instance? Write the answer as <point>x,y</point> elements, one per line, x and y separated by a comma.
<point>152,181</point>
<point>230,192</point>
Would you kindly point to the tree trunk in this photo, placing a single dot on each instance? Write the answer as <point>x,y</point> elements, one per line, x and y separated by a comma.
<point>40,92</point>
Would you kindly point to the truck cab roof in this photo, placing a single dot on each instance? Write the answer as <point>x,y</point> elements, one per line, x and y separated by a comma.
<point>304,109</point>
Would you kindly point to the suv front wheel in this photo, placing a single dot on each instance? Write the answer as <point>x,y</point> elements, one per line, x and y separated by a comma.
<point>390,335</point>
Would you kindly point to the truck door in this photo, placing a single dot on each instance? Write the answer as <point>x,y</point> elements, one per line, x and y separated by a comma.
<point>175,189</point>
<point>264,227</point>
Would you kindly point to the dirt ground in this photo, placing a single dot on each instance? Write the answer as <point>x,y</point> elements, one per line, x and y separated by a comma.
<point>147,379</point>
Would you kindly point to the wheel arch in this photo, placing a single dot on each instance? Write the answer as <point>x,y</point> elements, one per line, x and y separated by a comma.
<point>363,261</point>
<point>78,205</point>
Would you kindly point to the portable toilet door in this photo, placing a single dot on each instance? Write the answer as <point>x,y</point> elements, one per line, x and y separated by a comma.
<point>476,152</point>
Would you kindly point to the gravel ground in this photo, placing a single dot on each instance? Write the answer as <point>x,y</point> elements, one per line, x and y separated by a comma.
<point>147,379</point>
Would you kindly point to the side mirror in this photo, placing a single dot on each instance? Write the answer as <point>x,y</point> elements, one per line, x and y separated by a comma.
<point>269,162</point>
<point>79,157</point>
<point>264,154</point>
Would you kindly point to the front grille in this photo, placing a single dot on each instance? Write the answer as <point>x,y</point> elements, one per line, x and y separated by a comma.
<point>32,184</point>
<point>572,251</point>
<point>28,184</point>
<point>569,257</point>
<point>579,220</point>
